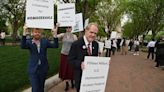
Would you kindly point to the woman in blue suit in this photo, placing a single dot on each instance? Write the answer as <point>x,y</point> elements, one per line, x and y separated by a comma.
<point>38,63</point>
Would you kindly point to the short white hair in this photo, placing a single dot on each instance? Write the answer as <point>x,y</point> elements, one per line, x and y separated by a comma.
<point>91,24</point>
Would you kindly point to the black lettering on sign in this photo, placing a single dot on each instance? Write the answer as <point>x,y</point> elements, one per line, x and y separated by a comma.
<point>39,17</point>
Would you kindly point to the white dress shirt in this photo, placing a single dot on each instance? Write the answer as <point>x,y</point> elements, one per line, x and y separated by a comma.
<point>86,43</point>
<point>151,44</point>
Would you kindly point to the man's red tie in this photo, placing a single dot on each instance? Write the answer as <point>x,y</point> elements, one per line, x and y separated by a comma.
<point>89,50</point>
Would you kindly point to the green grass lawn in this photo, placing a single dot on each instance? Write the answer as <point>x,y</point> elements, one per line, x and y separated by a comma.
<point>13,67</point>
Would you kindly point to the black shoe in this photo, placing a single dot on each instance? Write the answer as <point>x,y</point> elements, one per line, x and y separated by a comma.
<point>157,66</point>
<point>67,86</point>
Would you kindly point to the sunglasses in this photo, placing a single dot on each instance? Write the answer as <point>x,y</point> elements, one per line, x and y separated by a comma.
<point>69,27</point>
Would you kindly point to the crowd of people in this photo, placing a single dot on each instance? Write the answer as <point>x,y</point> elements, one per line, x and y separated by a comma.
<point>121,45</point>
<point>157,48</point>
<point>73,52</point>
<point>153,48</point>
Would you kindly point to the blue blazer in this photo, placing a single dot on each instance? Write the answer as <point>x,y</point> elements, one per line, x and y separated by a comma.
<point>35,56</point>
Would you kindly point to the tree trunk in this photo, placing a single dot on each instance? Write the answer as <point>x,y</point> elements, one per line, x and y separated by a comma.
<point>143,37</point>
<point>15,28</point>
<point>153,34</point>
<point>84,9</point>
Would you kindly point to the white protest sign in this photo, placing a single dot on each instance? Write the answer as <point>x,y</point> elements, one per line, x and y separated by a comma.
<point>95,74</point>
<point>106,29</point>
<point>79,23</point>
<point>40,14</point>
<point>150,32</point>
<point>121,43</point>
<point>66,14</point>
<point>101,46</point>
<point>86,23</point>
<point>108,43</point>
<point>113,35</point>
<point>118,35</point>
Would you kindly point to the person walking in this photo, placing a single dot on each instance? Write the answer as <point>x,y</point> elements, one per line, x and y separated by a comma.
<point>118,45</point>
<point>108,47</point>
<point>38,63</point>
<point>151,46</point>
<point>131,45</point>
<point>66,71</point>
<point>124,47</point>
<point>136,47</point>
<point>114,46</point>
<point>84,46</point>
<point>160,52</point>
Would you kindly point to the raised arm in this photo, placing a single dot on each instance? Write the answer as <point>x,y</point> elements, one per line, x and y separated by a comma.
<point>55,30</point>
<point>24,44</point>
<point>55,43</point>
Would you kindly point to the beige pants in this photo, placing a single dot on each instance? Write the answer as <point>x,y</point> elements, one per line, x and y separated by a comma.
<point>124,50</point>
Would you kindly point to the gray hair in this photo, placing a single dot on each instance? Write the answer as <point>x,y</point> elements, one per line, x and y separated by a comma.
<point>91,24</point>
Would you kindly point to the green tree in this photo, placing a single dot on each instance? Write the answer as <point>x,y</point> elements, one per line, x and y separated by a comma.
<point>2,24</point>
<point>128,30</point>
<point>3,18</point>
<point>14,11</point>
<point>146,15</point>
<point>109,13</point>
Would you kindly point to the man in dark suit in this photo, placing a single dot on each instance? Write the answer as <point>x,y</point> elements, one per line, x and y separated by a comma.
<point>38,63</point>
<point>84,46</point>
<point>160,52</point>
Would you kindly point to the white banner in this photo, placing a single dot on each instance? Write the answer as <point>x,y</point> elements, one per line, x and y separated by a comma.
<point>79,23</point>
<point>86,23</point>
<point>106,29</point>
<point>66,14</point>
<point>101,46</point>
<point>95,74</point>
<point>113,35</point>
<point>40,14</point>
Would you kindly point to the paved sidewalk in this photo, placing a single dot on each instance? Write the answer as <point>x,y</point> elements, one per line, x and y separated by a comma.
<point>129,73</point>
